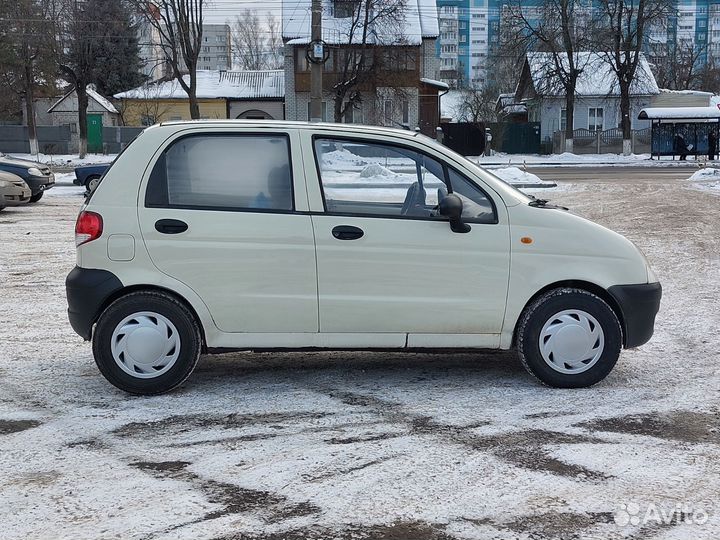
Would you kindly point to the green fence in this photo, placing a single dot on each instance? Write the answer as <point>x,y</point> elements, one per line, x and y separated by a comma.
<point>515,138</point>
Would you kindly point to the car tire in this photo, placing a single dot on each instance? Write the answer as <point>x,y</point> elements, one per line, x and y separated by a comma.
<point>36,197</point>
<point>89,182</point>
<point>569,338</point>
<point>146,343</point>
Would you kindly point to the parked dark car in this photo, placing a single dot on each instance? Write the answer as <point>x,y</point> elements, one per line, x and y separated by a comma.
<point>13,190</point>
<point>37,176</point>
<point>89,175</point>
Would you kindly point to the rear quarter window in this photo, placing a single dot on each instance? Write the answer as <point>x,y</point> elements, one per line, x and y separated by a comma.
<point>224,172</point>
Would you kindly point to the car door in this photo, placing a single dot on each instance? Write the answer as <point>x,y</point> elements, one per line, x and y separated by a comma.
<point>225,212</point>
<point>387,263</point>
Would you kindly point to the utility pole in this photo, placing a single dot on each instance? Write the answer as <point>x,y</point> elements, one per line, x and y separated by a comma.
<point>316,67</point>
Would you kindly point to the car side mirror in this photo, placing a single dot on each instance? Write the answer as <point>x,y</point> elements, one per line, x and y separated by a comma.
<point>451,207</point>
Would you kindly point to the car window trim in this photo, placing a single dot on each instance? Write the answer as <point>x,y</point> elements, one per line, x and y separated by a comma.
<point>168,145</point>
<point>446,181</point>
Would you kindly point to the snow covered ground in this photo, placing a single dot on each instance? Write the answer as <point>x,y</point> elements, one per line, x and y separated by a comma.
<point>367,445</point>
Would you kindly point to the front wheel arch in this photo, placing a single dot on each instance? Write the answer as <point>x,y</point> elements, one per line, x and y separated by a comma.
<point>593,288</point>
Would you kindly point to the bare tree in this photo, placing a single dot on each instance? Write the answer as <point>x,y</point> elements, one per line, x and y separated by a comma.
<point>560,29</point>
<point>257,45</point>
<point>179,25</point>
<point>477,104</point>
<point>274,42</point>
<point>683,66</point>
<point>622,29</point>
<point>249,40</point>
<point>372,54</point>
<point>24,58</point>
<point>75,28</point>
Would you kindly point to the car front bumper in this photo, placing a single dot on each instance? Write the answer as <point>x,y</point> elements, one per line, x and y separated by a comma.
<point>87,290</point>
<point>639,304</point>
<point>16,199</point>
<point>40,183</point>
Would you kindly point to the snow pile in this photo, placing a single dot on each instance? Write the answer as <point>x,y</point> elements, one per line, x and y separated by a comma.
<point>375,169</point>
<point>515,176</point>
<point>707,179</point>
<point>705,174</point>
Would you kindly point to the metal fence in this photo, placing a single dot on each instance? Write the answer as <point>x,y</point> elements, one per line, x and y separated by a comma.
<point>608,141</point>
<point>116,138</point>
<point>51,139</point>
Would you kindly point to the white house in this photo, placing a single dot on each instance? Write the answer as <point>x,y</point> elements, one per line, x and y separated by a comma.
<point>100,112</point>
<point>597,101</point>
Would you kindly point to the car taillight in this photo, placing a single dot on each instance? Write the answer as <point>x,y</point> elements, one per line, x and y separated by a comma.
<point>88,227</point>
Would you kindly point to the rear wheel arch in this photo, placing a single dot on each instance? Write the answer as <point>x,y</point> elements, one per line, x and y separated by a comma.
<point>593,288</point>
<point>162,290</point>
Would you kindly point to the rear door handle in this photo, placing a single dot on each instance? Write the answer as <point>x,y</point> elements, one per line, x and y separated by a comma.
<point>170,226</point>
<point>347,232</point>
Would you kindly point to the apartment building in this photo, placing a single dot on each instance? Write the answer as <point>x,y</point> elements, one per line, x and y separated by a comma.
<point>215,51</point>
<point>470,33</point>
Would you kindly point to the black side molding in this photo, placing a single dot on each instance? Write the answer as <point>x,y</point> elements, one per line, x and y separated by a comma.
<point>87,290</point>
<point>639,305</point>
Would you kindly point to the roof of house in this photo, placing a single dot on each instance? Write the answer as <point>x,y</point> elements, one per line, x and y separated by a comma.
<point>419,21</point>
<point>214,84</point>
<point>92,94</point>
<point>596,79</point>
<point>679,113</point>
<point>699,93</point>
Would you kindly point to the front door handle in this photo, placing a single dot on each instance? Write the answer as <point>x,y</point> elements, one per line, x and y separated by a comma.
<point>170,226</point>
<point>347,232</point>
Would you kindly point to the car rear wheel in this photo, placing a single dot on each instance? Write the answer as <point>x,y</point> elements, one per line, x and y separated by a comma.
<point>146,343</point>
<point>569,338</point>
<point>37,196</point>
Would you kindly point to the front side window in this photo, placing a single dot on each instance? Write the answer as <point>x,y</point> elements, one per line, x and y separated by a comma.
<point>230,172</point>
<point>372,179</point>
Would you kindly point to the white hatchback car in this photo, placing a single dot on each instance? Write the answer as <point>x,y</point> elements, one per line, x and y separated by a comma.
<point>218,235</point>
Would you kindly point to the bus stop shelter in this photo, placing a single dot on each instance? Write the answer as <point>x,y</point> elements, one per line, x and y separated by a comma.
<point>694,124</point>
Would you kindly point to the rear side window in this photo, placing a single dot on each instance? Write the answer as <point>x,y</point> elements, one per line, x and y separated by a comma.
<point>223,172</point>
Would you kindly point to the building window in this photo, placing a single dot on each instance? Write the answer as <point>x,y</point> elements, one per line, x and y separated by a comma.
<point>301,63</point>
<point>595,118</point>
<point>405,112</point>
<point>387,112</point>
<point>563,119</point>
<point>323,113</point>
<point>344,9</point>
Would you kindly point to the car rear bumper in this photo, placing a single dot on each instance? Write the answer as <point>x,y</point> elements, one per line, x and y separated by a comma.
<point>87,290</point>
<point>639,305</point>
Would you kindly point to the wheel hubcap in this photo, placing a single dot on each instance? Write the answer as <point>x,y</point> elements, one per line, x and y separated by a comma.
<point>93,184</point>
<point>571,341</point>
<point>145,345</point>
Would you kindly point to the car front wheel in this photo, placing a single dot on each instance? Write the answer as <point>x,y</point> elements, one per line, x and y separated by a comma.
<point>569,338</point>
<point>37,196</point>
<point>146,343</point>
